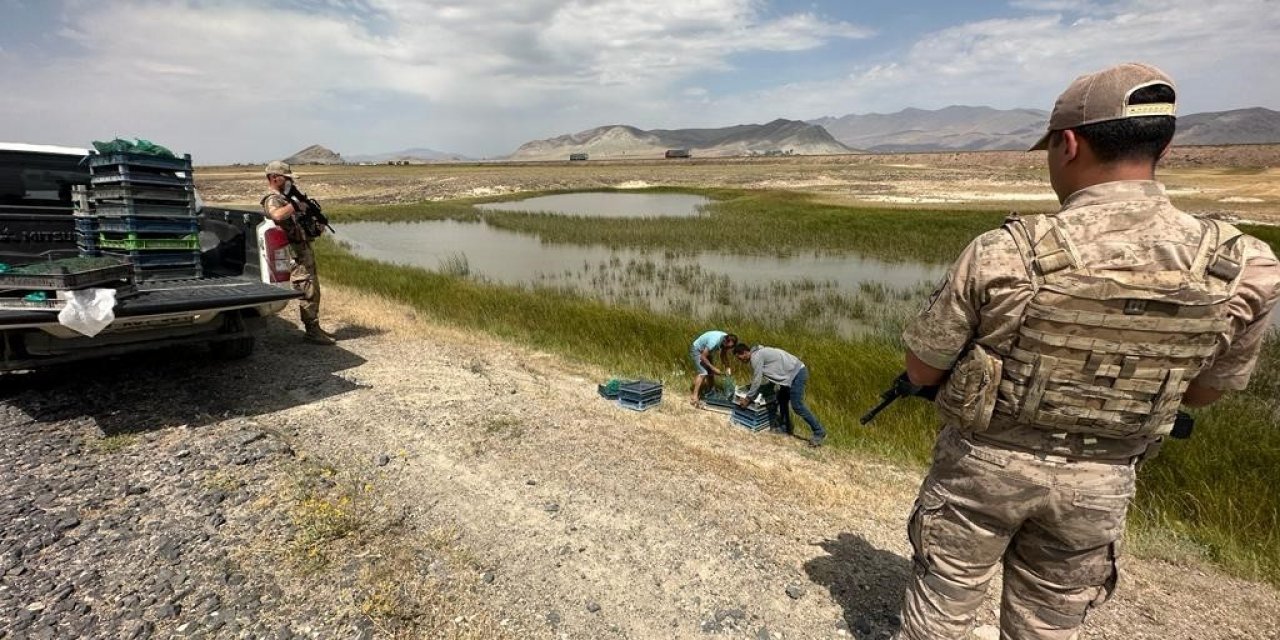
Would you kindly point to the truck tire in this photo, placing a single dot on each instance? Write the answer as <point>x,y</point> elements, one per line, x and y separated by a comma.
<point>233,349</point>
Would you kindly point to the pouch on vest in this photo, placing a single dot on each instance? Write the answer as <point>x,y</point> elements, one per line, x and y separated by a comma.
<point>968,397</point>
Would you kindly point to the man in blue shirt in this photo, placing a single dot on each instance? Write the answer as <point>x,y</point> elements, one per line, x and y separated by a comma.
<point>700,352</point>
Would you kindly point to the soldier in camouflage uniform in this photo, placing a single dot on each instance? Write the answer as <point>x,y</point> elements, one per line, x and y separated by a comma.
<point>1064,345</point>
<point>303,276</point>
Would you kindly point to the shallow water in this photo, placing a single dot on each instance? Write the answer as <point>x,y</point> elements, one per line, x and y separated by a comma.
<point>608,205</point>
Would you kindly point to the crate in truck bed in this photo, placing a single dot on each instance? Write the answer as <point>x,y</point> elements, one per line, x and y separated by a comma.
<point>66,273</point>
<point>139,242</point>
<point>118,195</point>
<point>148,225</point>
<point>140,160</point>
<point>119,174</point>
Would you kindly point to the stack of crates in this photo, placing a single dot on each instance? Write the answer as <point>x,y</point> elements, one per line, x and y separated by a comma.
<point>758,415</point>
<point>640,395</point>
<point>144,210</point>
<point>755,416</point>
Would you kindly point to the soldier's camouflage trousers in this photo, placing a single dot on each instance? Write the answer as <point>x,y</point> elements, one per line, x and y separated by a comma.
<point>1056,524</point>
<point>304,278</point>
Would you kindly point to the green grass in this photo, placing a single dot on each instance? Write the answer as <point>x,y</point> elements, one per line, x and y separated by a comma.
<point>1214,496</point>
<point>747,222</point>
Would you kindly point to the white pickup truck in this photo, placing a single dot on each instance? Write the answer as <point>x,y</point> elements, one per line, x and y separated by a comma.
<point>244,260</point>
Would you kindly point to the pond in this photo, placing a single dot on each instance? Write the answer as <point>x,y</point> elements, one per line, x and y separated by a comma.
<point>608,205</point>
<point>842,293</point>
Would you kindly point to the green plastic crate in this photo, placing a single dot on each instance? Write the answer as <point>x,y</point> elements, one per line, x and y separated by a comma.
<point>131,242</point>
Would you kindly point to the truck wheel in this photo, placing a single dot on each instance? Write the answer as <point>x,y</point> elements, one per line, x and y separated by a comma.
<point>234,349</point>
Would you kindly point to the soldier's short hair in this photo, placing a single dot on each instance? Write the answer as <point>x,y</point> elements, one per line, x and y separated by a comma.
<point>1131,139</point>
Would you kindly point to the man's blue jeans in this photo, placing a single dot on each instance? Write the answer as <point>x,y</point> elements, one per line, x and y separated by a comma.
<point>792,397</point>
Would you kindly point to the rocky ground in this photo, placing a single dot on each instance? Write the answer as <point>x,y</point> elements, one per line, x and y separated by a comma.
<point>421,481</point>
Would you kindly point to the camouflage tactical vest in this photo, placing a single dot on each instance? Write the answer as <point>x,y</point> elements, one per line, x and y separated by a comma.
<point>1109,350</point>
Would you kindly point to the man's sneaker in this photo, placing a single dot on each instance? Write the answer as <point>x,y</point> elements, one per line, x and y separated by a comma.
<point>817,441</point>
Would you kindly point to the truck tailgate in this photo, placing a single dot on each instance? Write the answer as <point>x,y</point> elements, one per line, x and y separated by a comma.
<point>178,296</point>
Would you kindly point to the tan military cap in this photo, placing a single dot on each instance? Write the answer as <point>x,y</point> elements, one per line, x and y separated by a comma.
<point>1103,96</point>
<point>279,168</point>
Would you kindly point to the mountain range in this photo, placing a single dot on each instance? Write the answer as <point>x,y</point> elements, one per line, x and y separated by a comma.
<point>954,128</point>
<point>959,128</point>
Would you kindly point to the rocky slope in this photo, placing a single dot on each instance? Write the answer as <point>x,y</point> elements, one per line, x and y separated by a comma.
<point>790,137</point>
<point>315,154</point>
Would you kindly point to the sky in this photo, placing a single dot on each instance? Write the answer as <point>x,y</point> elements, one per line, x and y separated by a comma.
<point>249,81</point>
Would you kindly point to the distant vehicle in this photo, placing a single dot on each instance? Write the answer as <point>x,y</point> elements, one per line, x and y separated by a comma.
<point>678,153</point>
<point>577,156</point>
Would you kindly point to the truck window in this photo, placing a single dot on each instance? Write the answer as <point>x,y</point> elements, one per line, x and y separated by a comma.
<point>39,179</point>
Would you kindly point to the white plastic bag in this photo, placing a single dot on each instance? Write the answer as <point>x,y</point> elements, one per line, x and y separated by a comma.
<point>88,311</point>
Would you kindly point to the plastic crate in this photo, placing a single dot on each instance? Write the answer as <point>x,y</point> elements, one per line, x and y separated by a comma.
<point>139,160</point>
<point>67,273</point>
<point>121,174</point>
<point>136,209</point>
<point>133,242</point>
<point>117,195</point>
<point>638,405</point>
<point>156,259</point>
<point>132,224</point>
<point>749,423</point>
<point>640,391</point>
<point>168,275</point>
<point>87,225</point>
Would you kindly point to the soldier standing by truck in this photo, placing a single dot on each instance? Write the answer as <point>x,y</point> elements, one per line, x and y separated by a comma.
<point>286,206</point>
<point>1067,343</point>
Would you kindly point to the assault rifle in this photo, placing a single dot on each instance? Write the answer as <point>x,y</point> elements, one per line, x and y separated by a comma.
<point>902,386</point>
<point>312,220</point>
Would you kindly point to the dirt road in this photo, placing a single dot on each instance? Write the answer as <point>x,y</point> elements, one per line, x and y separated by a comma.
<point>471,488</point>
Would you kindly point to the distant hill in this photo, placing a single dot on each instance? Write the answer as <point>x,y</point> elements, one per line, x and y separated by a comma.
<point>622,141</point>
<point>955,128</point>
<point>315,154</point>
<point>1241,126</point>
<point>959,128</point>
<point>416,155</point>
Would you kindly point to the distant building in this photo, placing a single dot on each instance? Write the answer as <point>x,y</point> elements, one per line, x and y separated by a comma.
<point>678,153</point>
<point>577,156</point>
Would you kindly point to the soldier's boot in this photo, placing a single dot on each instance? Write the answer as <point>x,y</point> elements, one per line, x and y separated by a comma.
<point>316,335</point>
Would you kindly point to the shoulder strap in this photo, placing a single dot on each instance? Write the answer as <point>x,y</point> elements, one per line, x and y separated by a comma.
<point>1017,227</point>
<point>1221,258</point>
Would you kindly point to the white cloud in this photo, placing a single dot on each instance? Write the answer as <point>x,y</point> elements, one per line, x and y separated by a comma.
<point>237,80</point>
<point>211,74</point>
<point>1220,54</point>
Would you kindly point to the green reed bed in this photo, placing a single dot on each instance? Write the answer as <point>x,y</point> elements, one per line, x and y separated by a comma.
<point>747,222</point>
<point>1214,494</point>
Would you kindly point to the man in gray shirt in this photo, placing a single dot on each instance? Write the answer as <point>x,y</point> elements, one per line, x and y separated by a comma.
<point>790,375</point>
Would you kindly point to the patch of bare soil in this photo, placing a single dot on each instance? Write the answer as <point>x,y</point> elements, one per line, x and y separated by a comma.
<point>431,482</point>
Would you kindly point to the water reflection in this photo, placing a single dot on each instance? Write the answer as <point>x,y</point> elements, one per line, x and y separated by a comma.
<point>844,294</point>
<point>608,205</point>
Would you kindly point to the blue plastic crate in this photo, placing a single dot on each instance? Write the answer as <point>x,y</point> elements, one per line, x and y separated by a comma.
<point>119,195</point>
<point>137,209</point>
<point>750,425</point>
<point>97,162</point>
<point>147,225</point>
<point>86,225</point>
<point>156,259</point>
<point>193,272</point>
<point>122,174</point>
